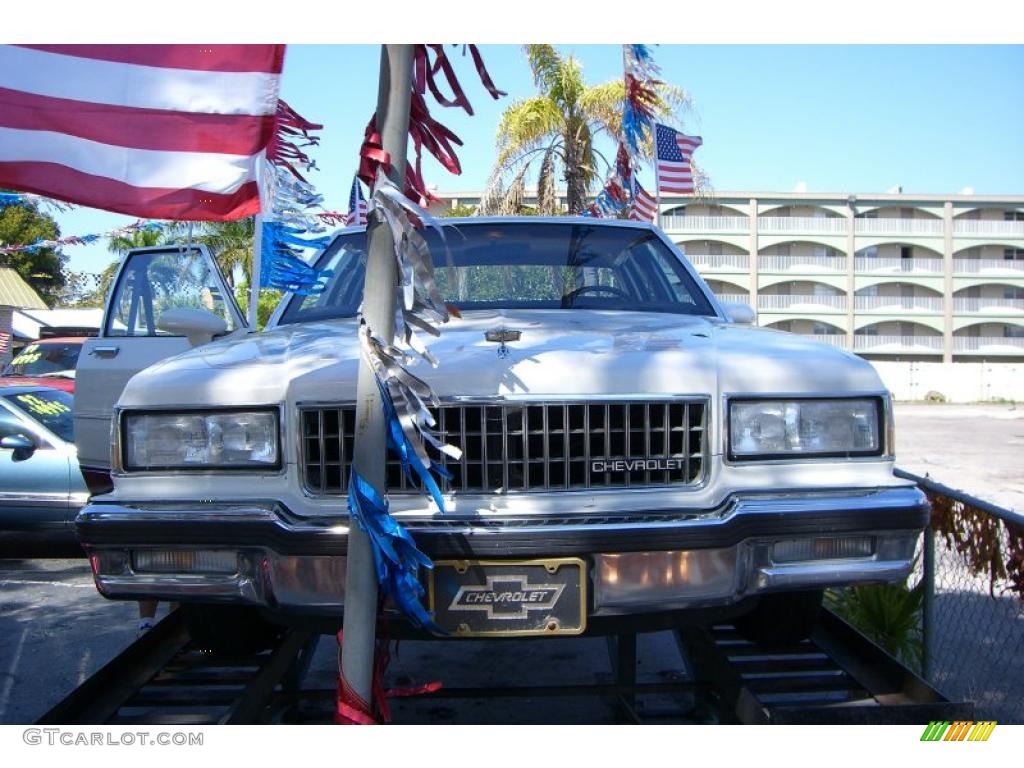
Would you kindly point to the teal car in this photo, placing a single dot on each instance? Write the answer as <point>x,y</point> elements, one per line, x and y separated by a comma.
<point>41,487</point>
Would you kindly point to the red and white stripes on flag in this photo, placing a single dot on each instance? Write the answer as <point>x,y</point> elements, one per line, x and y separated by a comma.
<point>5,341</point>
<point>155,131</point>
<point>644,207</point>
<point>673,151</point>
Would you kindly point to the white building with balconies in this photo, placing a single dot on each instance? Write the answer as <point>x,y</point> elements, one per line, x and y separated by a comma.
<point>891,276</point>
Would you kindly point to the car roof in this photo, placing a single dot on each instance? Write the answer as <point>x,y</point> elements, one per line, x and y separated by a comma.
<point>18,389</point>
<point>59,340</point>
<point>452,221</point>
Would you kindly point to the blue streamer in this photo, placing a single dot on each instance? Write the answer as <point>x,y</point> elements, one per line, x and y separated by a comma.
<point>642,54</point>
<point>634,127</point>
<point>411,463</point>
<point>396,557</point>
<point>282,266</point>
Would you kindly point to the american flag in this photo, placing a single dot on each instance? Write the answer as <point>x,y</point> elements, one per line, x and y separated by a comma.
<point>154,131</point>
<point>644,206</point>
<point>356,205</point>
<point>672,165</point>
<point>5,340</point>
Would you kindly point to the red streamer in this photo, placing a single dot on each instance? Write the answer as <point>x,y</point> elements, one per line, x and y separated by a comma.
<point>351,709</point>
<point>425,132</point>
<point>291,133</point>
<point>622,164</point>
<point>641,95</point>
<point>485,78</point>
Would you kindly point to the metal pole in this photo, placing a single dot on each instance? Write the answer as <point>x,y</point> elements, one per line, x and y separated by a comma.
<point>657,189</point>
<point>393,97</point>
<point>928,604</point>
<point>254,277</point>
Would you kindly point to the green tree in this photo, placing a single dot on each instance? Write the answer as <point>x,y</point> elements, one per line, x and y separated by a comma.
<point>559,125</point>
<point>231,243</point>
<point>460,210</point>
<point>138,238</point>
<point>268,301</point>
<point>41,268</point>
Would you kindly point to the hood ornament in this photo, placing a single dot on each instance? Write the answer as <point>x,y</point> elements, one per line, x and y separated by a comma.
<point>501,336</point>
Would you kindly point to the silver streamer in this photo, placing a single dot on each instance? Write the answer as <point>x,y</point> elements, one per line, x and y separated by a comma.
<point>419,308</point>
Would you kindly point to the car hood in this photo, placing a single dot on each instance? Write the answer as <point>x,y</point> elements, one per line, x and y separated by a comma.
<point>560,353</point>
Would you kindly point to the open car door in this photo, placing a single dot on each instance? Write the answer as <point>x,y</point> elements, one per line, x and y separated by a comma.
<point>149,282</point>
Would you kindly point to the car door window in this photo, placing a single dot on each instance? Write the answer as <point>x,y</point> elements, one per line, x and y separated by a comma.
<point>10,426</point>
<point>154,283</point>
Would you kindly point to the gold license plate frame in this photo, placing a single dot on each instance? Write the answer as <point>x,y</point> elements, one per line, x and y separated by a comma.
<point>509,598</point>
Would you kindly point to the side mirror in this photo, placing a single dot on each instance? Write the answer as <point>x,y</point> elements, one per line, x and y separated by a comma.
<point>738,312</point>
<point>198,325</point>
<point>22,445</point>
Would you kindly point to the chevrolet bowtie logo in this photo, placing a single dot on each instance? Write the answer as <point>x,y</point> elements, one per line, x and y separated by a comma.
<point>507,597</point>
<point>503,335</point>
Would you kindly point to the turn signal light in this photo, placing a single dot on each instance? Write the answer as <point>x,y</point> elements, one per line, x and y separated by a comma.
<point>184,561</point>
<point>832,548</point>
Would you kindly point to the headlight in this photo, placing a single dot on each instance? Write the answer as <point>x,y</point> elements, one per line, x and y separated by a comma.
<point>765,429</point>
<point>236,439</point>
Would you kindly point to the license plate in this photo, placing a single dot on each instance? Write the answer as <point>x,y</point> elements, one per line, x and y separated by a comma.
<point>473,598</point>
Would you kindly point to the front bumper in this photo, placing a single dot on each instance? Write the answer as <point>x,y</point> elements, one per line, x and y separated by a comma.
<point>637,563</point>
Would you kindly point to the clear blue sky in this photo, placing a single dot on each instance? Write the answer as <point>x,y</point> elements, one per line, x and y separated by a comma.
<point>839,118</point>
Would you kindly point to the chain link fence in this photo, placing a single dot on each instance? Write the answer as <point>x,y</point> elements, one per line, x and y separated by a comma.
<point>959,620</point>
<point>972,575</point>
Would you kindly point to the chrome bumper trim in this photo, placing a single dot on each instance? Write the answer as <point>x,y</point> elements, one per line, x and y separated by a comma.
<point>294,565</point>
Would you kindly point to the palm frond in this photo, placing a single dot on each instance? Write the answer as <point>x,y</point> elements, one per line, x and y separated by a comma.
<point>602,104</point>
<point>526,124</point>
<point>494,193</point>
<point>512,203</point>
<point>545,63</point>
<point>547,193</point>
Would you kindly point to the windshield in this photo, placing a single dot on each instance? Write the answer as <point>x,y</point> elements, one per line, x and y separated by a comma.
<point>525,265</point>
<point>50,407</point>
<point>41,358</point>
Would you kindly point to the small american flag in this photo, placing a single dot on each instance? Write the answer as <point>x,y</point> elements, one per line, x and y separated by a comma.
<point>644,206</point>
<point>5,340</point>
<point>674,150</point>
<point>356,205</point>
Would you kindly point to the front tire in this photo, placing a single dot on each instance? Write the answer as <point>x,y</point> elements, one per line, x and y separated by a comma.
<point>233,630</point>
<point>781,619</point>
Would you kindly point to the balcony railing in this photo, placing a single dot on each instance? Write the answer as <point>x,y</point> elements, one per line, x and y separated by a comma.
<point>973,266</point>
<point>898,303</point>
<point>965,304</point>
<point>832,339</point>
<point>888,264</point>
<point>864,343</point>
<point>897,226</point>
<point>984,343</point>
<point>818,225</point>
<point>732,262</point>
<point>733,297</point>
<point>801,263</point>
<point>978,227</point>
<point>794,300</point>
<point>676,223</point>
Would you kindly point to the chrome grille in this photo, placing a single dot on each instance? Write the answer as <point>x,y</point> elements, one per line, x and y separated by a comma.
<point>522,447</point>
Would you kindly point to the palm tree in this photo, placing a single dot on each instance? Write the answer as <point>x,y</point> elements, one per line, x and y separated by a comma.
<point>559,125</point>
<point>138,238</point>
<point>231,242</point>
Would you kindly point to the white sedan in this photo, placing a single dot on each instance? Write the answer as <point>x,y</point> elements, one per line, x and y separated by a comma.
<point>630,446</point>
